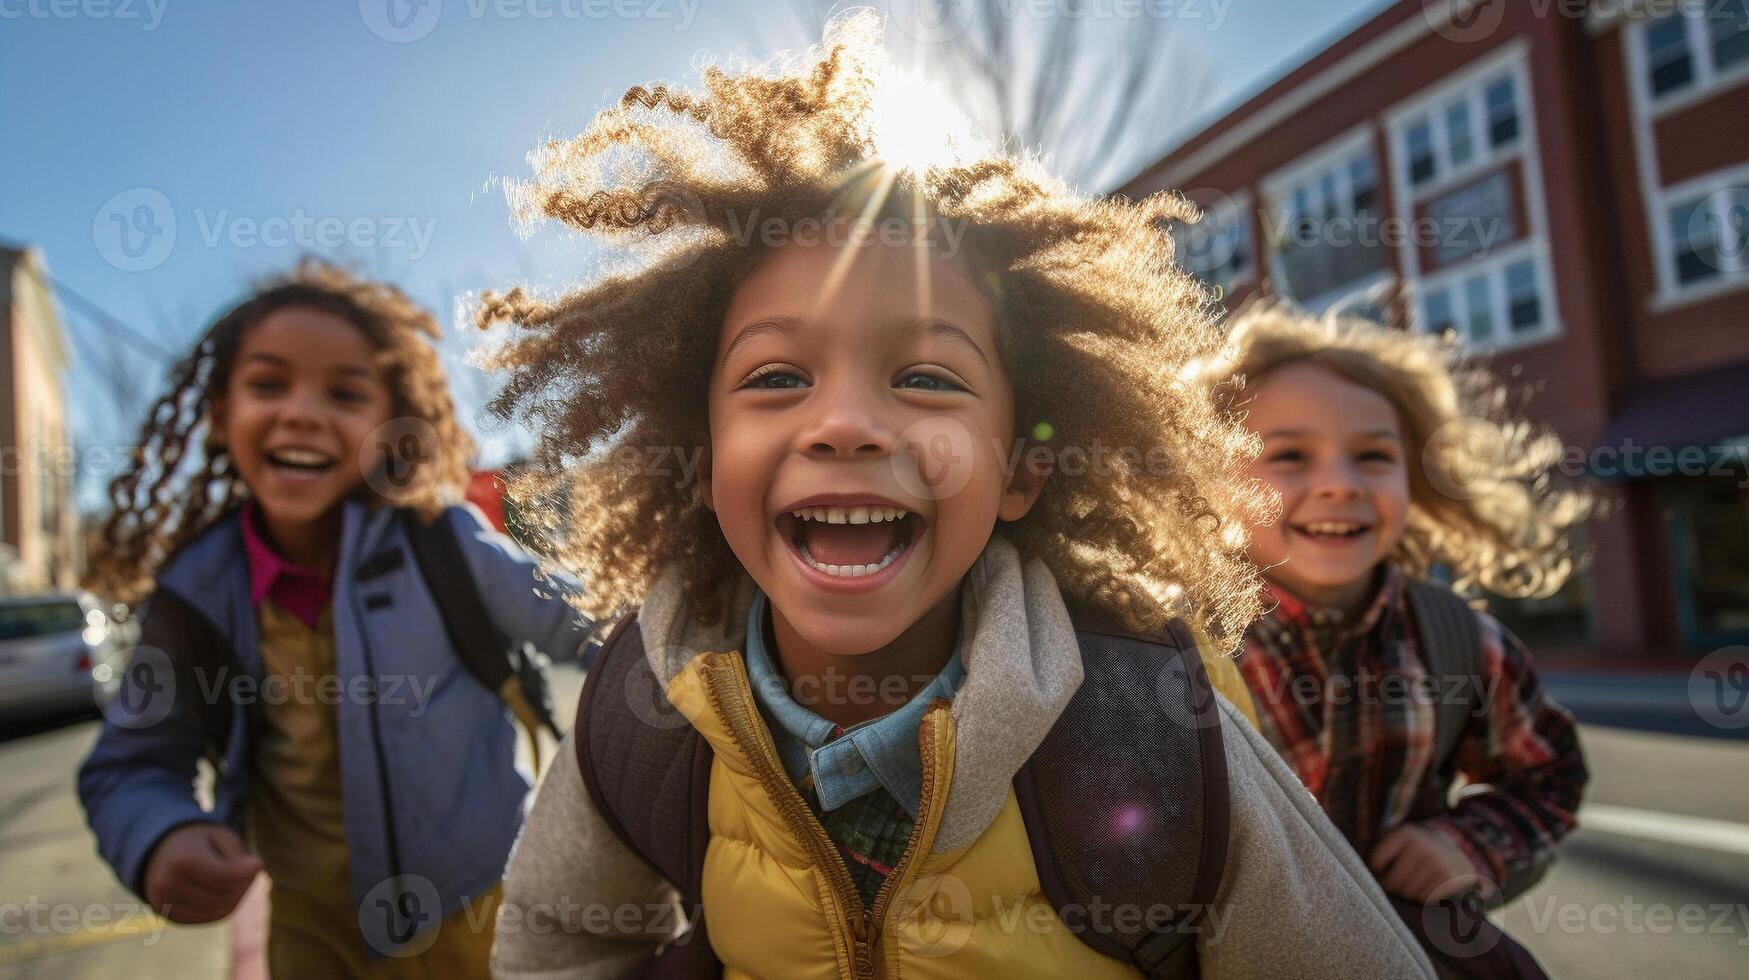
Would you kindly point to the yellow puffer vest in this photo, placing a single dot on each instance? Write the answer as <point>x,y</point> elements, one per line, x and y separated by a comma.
<point>777,896</point>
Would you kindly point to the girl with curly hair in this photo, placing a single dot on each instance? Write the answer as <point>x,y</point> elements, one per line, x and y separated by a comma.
<point>1392,457</point>
<point>305,445</point>
<point>897,483</point>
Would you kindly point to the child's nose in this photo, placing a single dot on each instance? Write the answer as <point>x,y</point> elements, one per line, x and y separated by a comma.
<point>1338,481</point>
<point>848,423</point>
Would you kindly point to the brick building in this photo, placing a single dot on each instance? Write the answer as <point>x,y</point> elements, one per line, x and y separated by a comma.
<point>1566,186</point>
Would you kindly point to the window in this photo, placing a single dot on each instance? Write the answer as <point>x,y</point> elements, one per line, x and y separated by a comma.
<point>1436,313</point>
<point>1696,245</point>
<point>1461,133</point>
<point>1502,113</point>
<point>1699,48</point>
<point>1729,34</point>
<point>1494,303</point>
<point>1457,133</point>
<point>1523,306</point>
<point>1363,176</point>
<point>1216,249</point>
<point>1480,303</point>
<point>1329,229</point>
<point>1419,142</point>
<point>1667,55</point>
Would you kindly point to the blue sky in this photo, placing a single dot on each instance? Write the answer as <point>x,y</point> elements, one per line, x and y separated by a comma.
<point>370,131</point>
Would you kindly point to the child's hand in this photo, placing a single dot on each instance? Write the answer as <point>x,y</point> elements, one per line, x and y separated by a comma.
<point>198,873</point>
<point>1422,865</point>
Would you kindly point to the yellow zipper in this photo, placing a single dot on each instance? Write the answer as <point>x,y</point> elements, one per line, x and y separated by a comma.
<point>727,689</point>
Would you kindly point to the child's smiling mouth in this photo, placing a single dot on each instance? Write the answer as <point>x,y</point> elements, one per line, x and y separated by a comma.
<point>849,544</point>
<point>298,464</point>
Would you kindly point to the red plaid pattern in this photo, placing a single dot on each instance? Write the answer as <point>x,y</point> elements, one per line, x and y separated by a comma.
<point>1333,698</point>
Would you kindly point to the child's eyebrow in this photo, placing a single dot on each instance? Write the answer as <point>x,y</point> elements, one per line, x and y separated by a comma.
<point>953,335</point>
<point>780,325</point>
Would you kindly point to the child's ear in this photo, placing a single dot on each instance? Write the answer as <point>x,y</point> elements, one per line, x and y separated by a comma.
<point>1026,482</point>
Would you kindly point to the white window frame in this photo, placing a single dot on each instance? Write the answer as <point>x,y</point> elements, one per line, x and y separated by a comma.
<point>1331,157</point>
<point>1470,87</point>
<point>1512,59</point>
<point>1234,211</point>
<point>1733,277</point>
<point>1454,283</point>
<point>1708,82</point>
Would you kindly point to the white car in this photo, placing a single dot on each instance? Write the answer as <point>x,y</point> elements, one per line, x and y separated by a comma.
<point>58,652</point>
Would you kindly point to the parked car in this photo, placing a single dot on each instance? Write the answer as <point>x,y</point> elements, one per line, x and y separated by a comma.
<point>50,647</point>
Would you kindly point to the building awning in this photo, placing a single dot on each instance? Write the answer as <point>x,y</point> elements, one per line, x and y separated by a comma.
<point>1707,411</point>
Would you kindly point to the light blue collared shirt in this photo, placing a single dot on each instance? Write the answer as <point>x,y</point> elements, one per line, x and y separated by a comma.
<point>880,752</point>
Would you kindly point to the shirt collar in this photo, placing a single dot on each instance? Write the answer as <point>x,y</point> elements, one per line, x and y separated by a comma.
<point>298,590</point>
<point>1291,609</point>
<point>849,763</point>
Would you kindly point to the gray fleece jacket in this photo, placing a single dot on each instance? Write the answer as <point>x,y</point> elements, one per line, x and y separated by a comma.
<point>1294,900</point>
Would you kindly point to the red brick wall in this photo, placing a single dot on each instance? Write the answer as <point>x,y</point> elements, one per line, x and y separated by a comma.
<point>1704,137</point>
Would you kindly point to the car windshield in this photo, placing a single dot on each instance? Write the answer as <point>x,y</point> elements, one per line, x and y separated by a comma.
<point>19,621</point>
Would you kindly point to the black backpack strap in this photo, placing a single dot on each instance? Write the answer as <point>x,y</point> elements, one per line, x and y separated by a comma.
<point>202,666</point>
<point>1126,800</point>
<point>1451,647</point>
<point>486,653</point>
<point>648,772</point>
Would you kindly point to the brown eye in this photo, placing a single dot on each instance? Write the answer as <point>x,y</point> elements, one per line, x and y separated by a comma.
<point>921,381</point>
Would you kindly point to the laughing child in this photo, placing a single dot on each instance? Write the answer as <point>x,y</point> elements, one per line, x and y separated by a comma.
<point>289,638</point>
<point>1391,456</point>
<point>893,688</point>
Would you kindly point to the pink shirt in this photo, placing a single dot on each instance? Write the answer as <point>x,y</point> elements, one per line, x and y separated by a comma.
<point>293,588</point>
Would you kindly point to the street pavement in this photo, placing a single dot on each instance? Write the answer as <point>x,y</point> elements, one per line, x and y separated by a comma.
<point>1655,883</point>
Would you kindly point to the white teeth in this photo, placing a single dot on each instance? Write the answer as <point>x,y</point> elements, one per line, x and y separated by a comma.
<point>852,571</point>
<point>849,515</point>
<point>1331,527</point>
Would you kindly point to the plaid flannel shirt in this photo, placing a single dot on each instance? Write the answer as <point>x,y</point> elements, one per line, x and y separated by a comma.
<point>1331,699</point>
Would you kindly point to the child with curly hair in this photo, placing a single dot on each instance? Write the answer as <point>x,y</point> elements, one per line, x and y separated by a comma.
<point>308,443</point>
<point>898,469</point>
<point>1392,456</point>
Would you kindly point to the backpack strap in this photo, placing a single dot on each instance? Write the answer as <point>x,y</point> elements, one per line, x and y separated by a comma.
<point>1451,646</point>
<point>1126,800</point>
<point>648,772</point>
<point>486,653</point>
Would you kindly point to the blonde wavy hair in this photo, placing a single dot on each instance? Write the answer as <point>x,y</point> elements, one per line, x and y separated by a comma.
<point>1482,496</point>
<point>179,481</point>
<point>1094,322</point>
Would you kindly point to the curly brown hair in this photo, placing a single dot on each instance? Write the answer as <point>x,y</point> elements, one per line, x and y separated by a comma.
<point>1094,323</point>
<point>1482,501</point>
<point>179,482</point>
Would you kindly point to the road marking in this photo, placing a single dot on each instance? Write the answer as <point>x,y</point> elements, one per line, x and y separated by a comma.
<point>1669,828</point>
<point>135,926</point>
